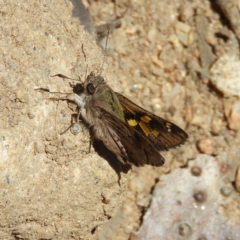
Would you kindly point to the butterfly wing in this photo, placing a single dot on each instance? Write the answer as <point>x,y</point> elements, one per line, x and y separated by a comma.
<point>127,143</point>
<point>160,132</point>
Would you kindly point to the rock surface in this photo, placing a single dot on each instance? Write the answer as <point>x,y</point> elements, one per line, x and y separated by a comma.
<point>179,60</point>
<point>51,188</point>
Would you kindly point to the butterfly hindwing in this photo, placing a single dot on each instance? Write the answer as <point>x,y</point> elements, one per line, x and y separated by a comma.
<point>137,149</point>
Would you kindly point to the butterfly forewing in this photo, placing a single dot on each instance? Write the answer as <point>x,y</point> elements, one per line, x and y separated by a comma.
<point>160,132</point>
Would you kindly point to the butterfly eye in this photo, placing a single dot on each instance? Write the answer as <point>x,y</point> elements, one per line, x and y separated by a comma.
<point>78,88</point>
<point>91,89</point>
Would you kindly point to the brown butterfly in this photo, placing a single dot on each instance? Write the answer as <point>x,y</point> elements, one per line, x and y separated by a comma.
<point>132,133</point>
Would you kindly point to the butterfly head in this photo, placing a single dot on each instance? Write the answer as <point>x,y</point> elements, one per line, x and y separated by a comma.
<point>92,83</point>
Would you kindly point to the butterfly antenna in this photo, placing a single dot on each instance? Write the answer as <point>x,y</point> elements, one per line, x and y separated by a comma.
<point>105,48</point>
<point>84,54</point>
<point>85,57</point>
<point>65,77</point>
<point>86,71</point>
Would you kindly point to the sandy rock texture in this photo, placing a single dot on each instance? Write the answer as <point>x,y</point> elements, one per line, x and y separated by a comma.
<point>192,203</point>
<point>51,187</point>
<point>178,59</point>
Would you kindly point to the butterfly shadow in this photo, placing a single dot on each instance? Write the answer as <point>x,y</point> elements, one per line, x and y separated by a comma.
<point>111,158</point>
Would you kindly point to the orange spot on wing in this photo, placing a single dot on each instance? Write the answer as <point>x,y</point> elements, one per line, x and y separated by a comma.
<point>132,122</point>
<point>146,119</point>
<point>168,125</point>
<point>155,132</point>
<point>144,128</point>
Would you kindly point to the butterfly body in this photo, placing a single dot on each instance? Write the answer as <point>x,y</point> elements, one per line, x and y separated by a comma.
<point>133,134</point>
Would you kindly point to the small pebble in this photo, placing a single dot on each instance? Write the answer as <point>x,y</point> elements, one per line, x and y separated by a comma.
<point>106,195</point>
<point>206,146</point>
<point>216,125</point>
<point>237,181</point>
<point>234,118</point>
<point>196,171</point>
<point>184,34</point>
<point>197,120</point>
<point>225,75</point>
<point>226,191</point>
<point>76,128</point>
